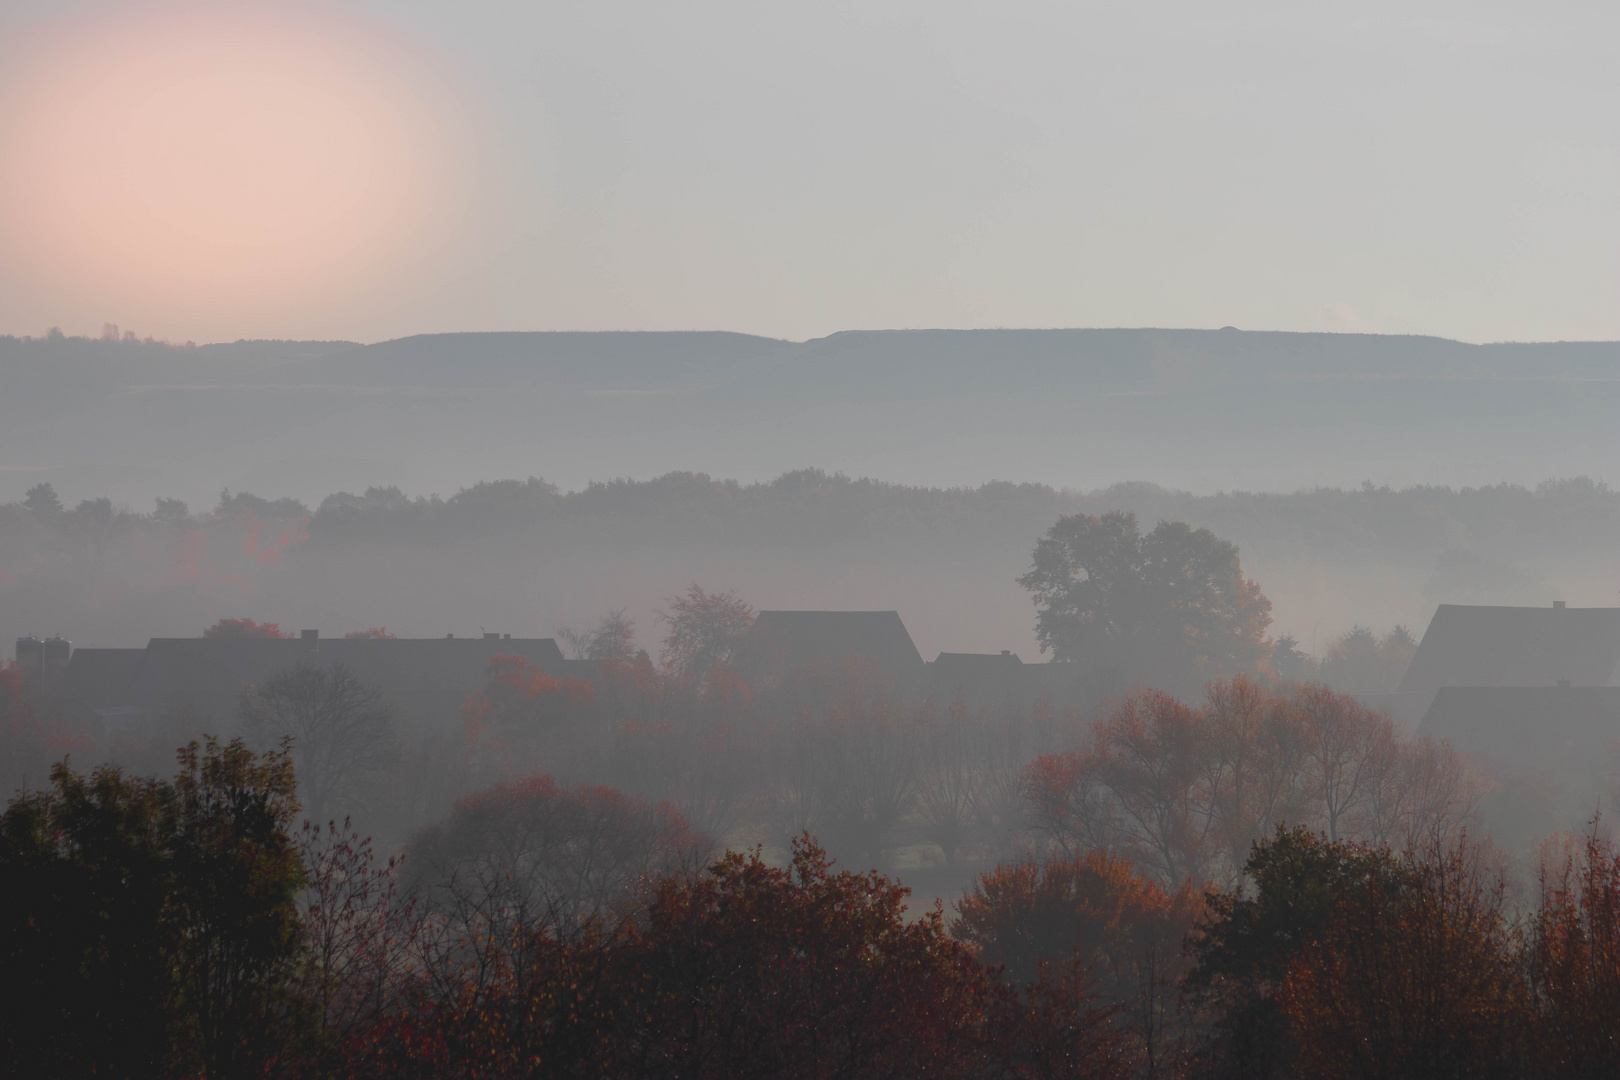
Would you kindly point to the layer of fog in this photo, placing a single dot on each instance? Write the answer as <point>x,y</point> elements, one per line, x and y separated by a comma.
<point>1201,411</point>
<point>523,558</point>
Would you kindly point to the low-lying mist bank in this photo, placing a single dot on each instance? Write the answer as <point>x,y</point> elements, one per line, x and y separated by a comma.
<point>524,557</point>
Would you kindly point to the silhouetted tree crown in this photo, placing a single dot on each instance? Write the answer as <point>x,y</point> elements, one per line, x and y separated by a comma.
<point>42,500</point>
<point>705,630</point>
<point>149,928</point>
<point>1171,608</point>
<point>341,730</point>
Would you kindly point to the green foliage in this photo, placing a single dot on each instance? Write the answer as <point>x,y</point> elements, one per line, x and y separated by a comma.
<point>1171,609</point>
<point>1254,933</point>
<point>1416,977</point>
<point>1294,878</point>
<point>150,927</point>
<point>1360,662</point>
<point>43,500</point>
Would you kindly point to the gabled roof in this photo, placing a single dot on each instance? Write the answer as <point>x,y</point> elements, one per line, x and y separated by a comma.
<point>1515,646</point>
<point>798,638</point>
<point>1536,725</point>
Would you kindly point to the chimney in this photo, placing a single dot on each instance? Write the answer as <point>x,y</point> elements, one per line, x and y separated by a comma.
<point>1558,605</point>
<point>31,660</point>
<point>310,639</point>
<point>1006,652</point>
<point>491,637</point>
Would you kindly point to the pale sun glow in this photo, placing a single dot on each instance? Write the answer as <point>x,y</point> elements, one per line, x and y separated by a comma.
<point>202,166</point>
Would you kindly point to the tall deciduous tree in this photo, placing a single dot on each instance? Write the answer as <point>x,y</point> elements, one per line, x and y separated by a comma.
<point>704,630</point>
<point>342,730</point>
<point>1254,934</point>
<point>150,928</point>
<point>1572,961</point>
<point>1414,977</point>
<point>1171,608</point>
<point>1096,910</point>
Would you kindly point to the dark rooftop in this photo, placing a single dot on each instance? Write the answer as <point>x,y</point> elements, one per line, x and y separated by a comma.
<point>797,638</point>
<point>1534,725</point>
<point>1515,646</point>
<point>427,679</point>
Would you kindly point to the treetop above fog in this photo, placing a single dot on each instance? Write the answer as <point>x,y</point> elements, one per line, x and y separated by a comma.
<point>1160,608</point>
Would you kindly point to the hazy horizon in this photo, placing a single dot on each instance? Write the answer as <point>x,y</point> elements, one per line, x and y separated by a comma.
<point>874,538</point>
<point>375,171</point>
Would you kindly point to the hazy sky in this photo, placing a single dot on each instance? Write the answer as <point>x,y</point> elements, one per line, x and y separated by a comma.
<point>370,170</point>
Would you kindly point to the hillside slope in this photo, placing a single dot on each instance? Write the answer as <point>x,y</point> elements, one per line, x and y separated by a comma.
<point>1202,410</point>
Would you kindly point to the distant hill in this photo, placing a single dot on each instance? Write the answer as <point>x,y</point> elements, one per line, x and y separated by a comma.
<point>1202,410</point>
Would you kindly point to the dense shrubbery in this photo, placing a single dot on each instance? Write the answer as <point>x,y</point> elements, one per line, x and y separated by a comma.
<point>149,927</point>
<point>180,928</point>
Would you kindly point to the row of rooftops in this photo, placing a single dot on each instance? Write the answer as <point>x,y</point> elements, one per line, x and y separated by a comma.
<point>431,677</point>
<point>1458,685</point>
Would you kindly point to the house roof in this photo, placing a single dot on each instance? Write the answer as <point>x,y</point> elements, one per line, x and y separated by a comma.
<point>426,679</point>
<point>1537,725</point>
<point>980,677</point>
<point>1515,646</point>
<point>101,678</point>
<point>797,638</point>
<point>977,661</point>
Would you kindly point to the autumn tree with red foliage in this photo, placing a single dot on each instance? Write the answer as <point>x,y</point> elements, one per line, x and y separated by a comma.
<point>1095,913</point>
<point>1572,961</point>
<point>1251,938</point>
<point>1414,977</point>
<point>748,970</point>
<point>244,628</point>
<point>1184,793</point>
<point>360,934</point>
<point>704,630</point>
<point>518,705</point>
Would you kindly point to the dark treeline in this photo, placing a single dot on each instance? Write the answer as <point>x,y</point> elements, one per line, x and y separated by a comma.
<point>526,557</point>
<point>184,927</point>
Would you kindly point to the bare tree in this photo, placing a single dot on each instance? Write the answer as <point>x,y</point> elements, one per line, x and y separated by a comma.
<point>342,730</point>
<point>1152,753</point>
<point>1424,795</point>
<point>950,787</point>
<point>614,638</point>
<point>1255,744</point>
<point>1348,751</point>
<point>704,630</point>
